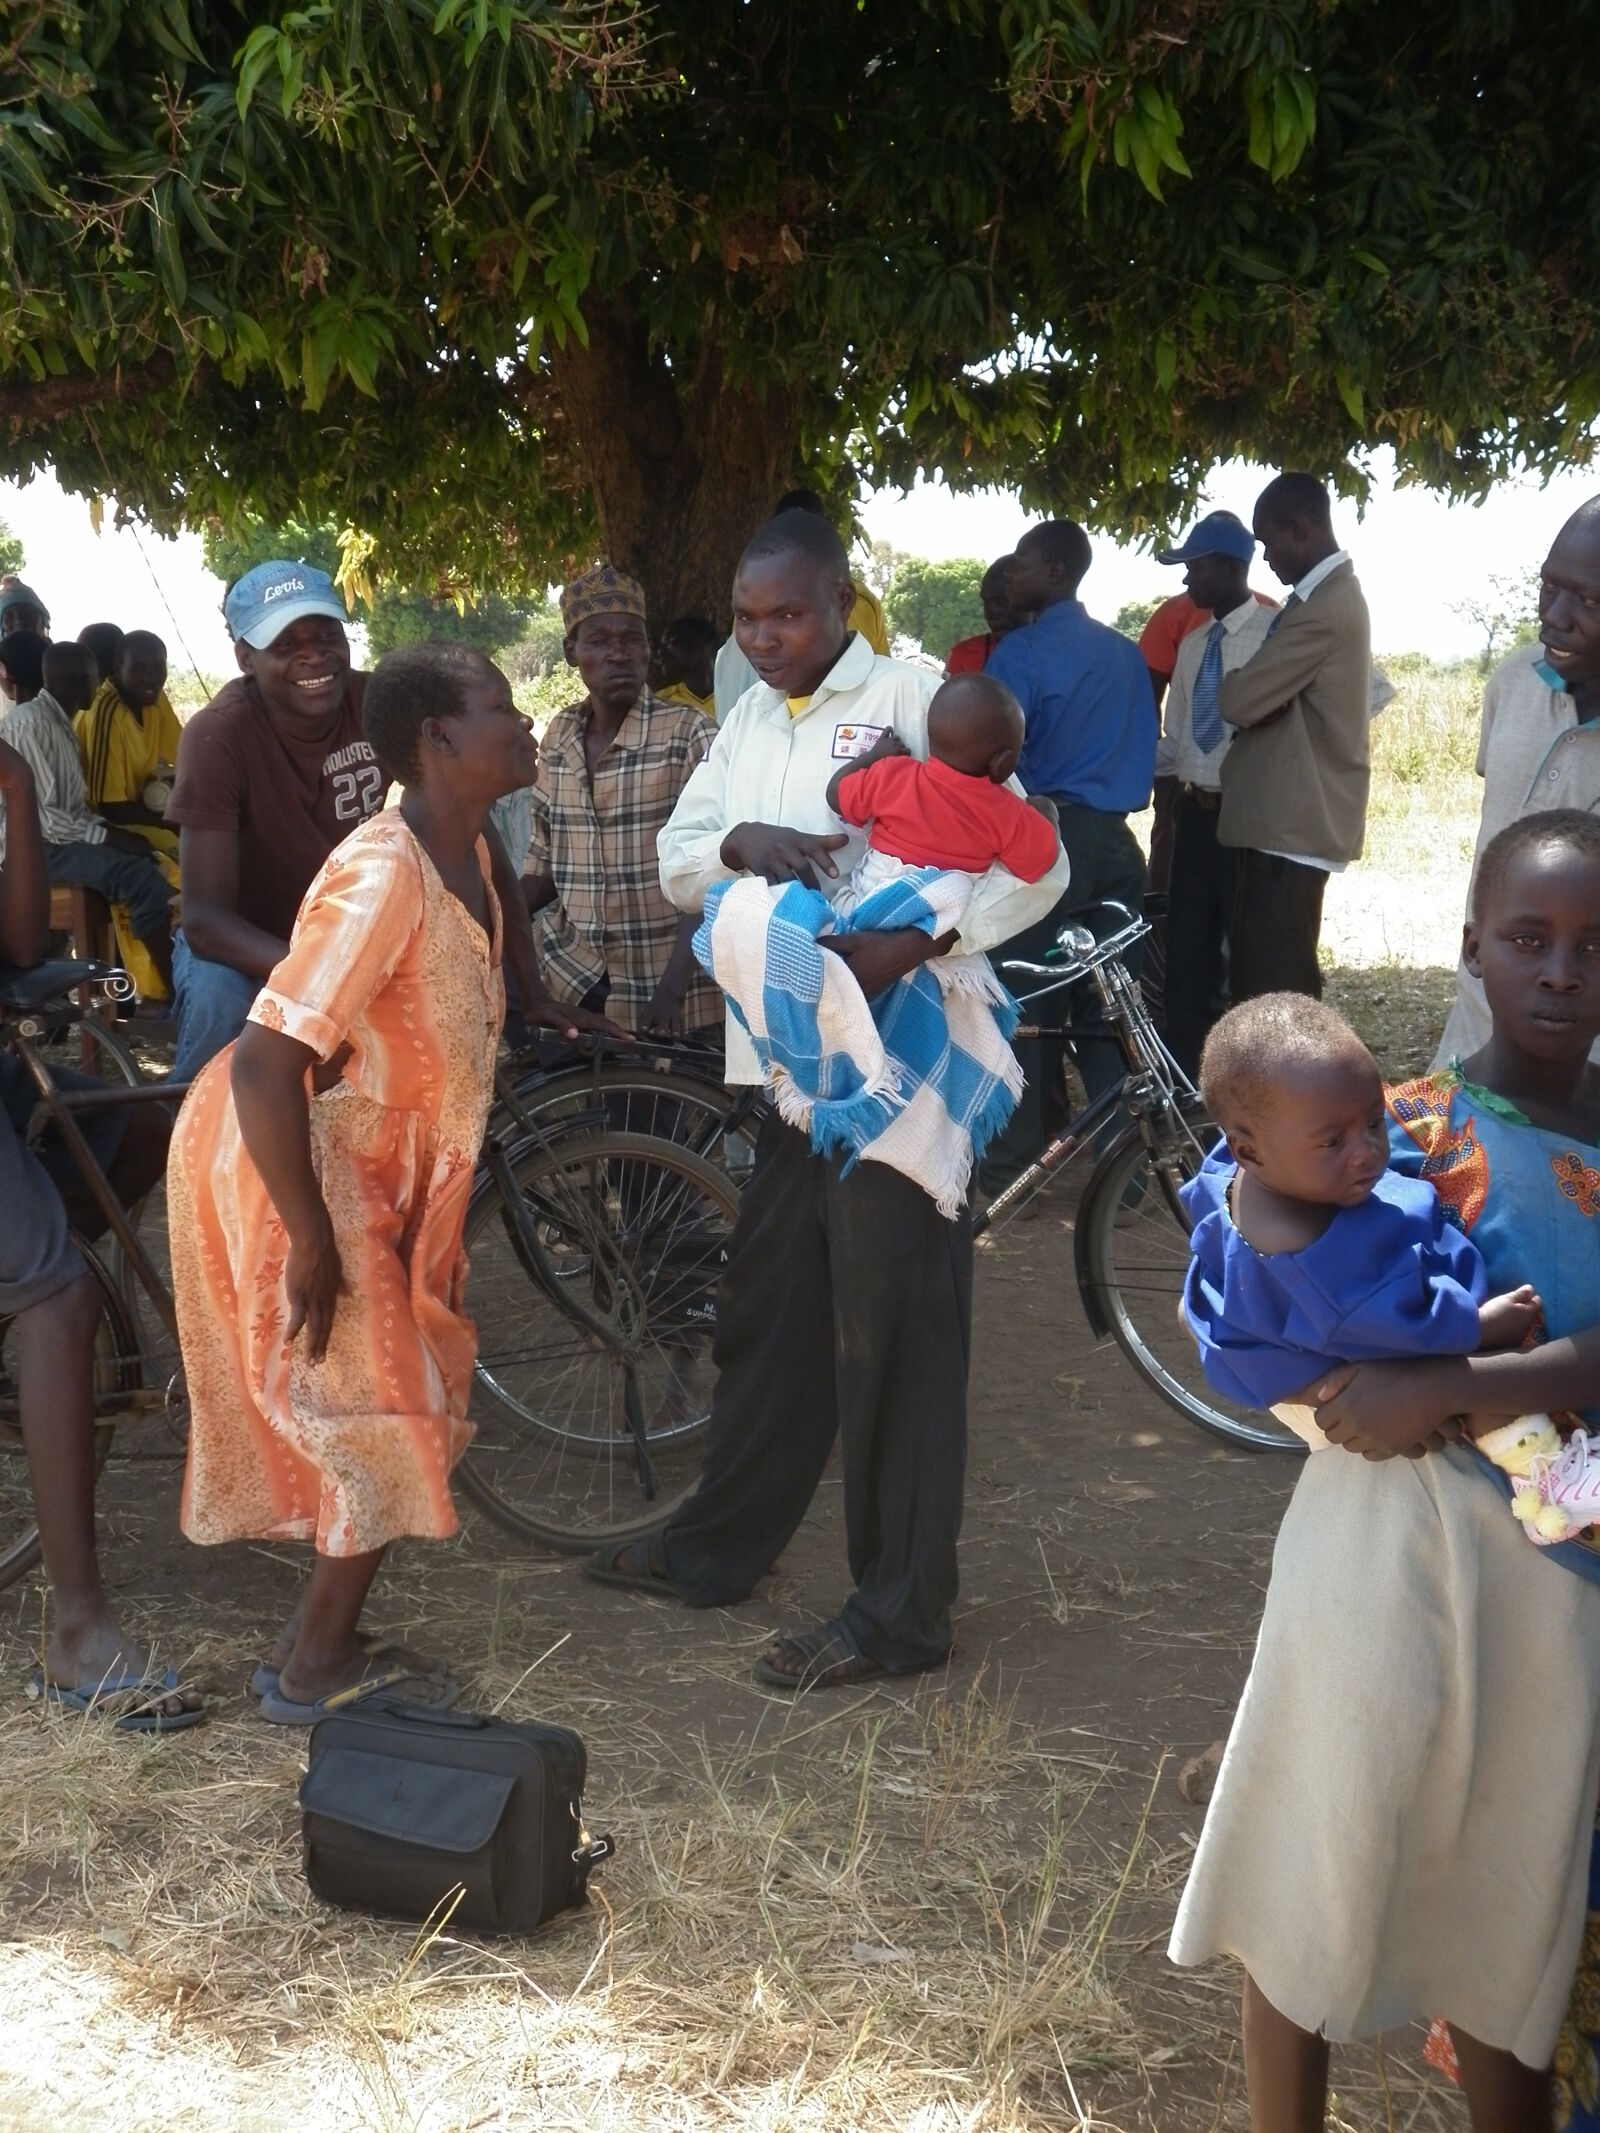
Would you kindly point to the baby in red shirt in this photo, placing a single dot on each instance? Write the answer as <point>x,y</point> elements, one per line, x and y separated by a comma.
<point>955,811</point>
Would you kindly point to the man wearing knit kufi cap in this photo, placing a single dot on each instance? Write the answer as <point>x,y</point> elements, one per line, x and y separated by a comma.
<point>610,772</point>
<point>600,590</point>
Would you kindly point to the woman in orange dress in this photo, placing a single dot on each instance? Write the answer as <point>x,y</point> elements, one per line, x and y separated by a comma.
<point>318,1185</point>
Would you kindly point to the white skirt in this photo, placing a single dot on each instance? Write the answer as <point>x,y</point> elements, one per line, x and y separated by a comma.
<point>1402,1821</point>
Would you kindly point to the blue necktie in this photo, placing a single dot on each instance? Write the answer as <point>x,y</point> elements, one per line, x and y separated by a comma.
<point>1205,706</point>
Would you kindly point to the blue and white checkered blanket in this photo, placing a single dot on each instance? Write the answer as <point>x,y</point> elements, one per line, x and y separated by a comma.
<point>922,1078</point>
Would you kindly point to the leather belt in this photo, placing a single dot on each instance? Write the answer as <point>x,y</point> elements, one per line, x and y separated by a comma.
<point>1203,798</point>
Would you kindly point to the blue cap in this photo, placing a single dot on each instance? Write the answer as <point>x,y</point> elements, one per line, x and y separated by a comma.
<point>263,603</point>
<point>1220,533</point>
<point>17,594</point>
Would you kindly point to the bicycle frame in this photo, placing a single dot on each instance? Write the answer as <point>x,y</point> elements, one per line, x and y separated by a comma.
<point>58,1106</point>
<point>1154,1085</point>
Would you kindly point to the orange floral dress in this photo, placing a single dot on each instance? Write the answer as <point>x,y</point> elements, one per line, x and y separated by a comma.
<point>356,1450</point>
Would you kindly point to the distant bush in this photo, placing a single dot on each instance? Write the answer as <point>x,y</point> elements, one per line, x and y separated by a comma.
<point>935,603</point>
<point>1132,616</point>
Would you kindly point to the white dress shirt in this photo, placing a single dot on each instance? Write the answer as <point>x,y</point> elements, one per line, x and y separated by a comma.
<point>1532,756</point>
<point>767,766</point>
<point>1244,632</point>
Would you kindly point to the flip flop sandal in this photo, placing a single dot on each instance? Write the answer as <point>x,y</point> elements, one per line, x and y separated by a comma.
<point>639,1566</point>
<point>132,1702</point>
<point>827,1657</point>
<point>280,1710</point>
<point>265,1678</point>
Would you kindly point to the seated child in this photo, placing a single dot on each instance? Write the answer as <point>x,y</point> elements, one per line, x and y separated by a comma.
<point>79,846</point>
<point>1308,1251</point>
<point>955,811</point>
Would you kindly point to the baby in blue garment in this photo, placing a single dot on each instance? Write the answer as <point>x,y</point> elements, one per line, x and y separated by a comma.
<point>1308,1251</point>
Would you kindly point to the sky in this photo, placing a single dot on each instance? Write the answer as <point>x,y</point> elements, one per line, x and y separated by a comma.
<point>1415,554</point>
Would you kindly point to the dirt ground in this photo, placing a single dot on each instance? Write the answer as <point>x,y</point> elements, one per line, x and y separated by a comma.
<point>1114,1561</point>
<point>940,1907</point>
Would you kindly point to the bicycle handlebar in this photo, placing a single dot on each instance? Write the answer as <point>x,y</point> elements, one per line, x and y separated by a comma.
<point>1080,952</point>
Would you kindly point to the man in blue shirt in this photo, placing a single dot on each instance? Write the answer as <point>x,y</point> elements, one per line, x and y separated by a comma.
<point>1091,747</point>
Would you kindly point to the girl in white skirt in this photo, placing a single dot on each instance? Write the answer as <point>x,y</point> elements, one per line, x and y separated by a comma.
<point>1401,1825</point>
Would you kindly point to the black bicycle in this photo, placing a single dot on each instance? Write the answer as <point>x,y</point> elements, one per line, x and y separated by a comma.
<point>1130,1233</point>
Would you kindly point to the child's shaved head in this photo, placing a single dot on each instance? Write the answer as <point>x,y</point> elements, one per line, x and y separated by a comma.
<point>1260,1043</point>
<point>975,722</point>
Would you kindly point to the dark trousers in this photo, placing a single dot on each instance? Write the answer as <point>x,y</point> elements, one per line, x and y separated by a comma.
<point>1198,917</point>
<point>1106,861</point>
<point>1277,921</point>
<point>846,1310</point>
<point>121,878</point>
<point>1153,976</point>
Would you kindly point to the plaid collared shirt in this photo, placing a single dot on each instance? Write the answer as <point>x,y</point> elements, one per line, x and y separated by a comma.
<point>597,840</point>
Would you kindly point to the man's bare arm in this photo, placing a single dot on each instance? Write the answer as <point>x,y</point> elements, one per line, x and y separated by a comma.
<point>208,862</point>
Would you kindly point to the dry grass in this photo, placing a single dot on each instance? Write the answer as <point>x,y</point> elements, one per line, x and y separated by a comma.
<point>1401,907</point>
<point>883,1912</point>
<point>904,1911</point>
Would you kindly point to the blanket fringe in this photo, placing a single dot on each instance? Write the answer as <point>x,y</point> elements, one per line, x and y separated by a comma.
<point>996,1113</point>
<point>972,975</point>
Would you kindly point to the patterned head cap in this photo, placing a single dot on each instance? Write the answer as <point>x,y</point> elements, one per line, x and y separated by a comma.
<point>600,591</point>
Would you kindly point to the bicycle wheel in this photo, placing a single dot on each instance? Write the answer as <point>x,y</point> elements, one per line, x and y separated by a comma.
<point>697,1112</point>
<point>595,1318</point>
<point>87,1044</point>
<point>116,1374</point>
<point>160,1361</point>
<point>1133,1254</point>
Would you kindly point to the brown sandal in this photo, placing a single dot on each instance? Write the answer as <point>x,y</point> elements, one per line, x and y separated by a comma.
<point>826,1657</point>
<point>640,1566</point>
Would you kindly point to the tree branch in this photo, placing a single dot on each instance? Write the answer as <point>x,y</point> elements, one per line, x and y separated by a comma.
<point>46,400</point>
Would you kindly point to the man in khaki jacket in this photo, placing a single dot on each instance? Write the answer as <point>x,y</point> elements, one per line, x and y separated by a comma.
<point>1294,782</point>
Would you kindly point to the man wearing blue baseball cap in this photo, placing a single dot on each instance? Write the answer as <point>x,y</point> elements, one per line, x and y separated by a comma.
<point>272,774</point>
<point>1230,626</point>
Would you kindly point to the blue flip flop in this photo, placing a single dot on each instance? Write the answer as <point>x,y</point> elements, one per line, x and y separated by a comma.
<point>264,1680</point>
<point>280,1710</point>
<point>140,1695</point>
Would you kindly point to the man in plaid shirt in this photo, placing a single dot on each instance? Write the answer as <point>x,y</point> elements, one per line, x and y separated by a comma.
<point>610,772</point>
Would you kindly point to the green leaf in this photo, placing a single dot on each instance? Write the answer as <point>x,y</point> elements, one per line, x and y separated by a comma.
<point>1350,393</point>
<point>1166,362</point>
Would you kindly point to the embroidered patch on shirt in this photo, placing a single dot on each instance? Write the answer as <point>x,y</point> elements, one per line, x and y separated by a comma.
<point>851,741</point>
<point>1578,1182</point>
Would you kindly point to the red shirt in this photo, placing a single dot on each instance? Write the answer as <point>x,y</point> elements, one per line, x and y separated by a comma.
<point>1170,624</point>
<point>968,656</point>
<point>932,816</point>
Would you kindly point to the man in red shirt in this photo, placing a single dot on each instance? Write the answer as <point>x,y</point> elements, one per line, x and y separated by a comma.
<point>971,654</point>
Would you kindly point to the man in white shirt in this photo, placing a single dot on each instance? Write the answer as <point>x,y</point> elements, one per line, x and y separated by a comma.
<point>1540,742</point>
<point>733,673</point>
<point>847,1302</point>
<point>79,848</point>
<point>1194,742</point>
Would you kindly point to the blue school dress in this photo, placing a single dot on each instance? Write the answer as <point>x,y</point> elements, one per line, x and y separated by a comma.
<point>1541,1224</point>
<point>1391,1277</point>
<point>1403,1819</point>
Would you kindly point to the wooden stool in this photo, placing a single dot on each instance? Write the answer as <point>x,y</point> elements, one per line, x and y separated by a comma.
<point>85,914</point>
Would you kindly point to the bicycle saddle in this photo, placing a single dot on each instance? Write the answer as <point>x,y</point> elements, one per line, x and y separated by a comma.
<point>23,990</point>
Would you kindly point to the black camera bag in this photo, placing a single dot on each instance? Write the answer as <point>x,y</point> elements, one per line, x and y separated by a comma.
<point>406,1804</point>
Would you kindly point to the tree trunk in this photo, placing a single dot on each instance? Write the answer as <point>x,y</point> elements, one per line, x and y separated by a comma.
<point>682,474</point>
